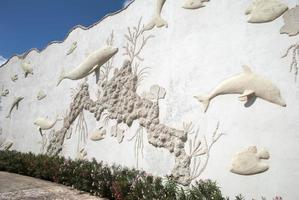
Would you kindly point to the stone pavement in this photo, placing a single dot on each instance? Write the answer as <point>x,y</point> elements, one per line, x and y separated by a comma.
<point>14,186</point>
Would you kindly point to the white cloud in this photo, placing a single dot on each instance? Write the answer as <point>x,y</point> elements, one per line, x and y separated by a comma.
<point>126,2</point>
<point>2,60</point>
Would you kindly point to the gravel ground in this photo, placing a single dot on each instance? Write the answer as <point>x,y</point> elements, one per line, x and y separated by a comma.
<point>14,186</point>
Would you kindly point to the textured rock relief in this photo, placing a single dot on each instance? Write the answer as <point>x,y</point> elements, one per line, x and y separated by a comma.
<point>250,161</point>
<point>118,101</point>
<point>291,20</point>
<point>41,95</point>
<point>156,92</point>
<point>94,61</point>
<point>15,104</point>
<point>293,50</point>
<point>261,11</point>
<point>72,48</point>
<point>14,78</point>
<point>27,68</point>
<point>194,4</point>
<point>249,85</point>
<point>157,19</point>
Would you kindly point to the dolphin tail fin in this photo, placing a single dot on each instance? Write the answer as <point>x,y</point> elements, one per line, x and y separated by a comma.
<point>204,100</point>
<point>160,22</point>
<point>61,77</point>
<point>156,21</point>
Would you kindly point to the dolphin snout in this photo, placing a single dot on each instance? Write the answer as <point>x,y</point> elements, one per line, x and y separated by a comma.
<point>113,50</point>
<point>282,103</point>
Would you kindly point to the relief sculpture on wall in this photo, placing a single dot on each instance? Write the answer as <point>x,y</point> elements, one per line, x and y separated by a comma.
<point>15,104</point>
<point>291,20</point>
<point>118,98</point>
<point>250,161</point>
<point>14,78</point>
<point>194,4</point>
<point>249,85</point>
<point>261,11</point>
<point>4,144</point>
<point>72,48</point>
<point>199,148</point>
<point>41,95</point>
<point>98,134</point>
<point>27,68</point>
<point>4,92</point>
<point>45,123</point>
<point>157,19</point>
<point>293,50</point>
<point>89,65</point>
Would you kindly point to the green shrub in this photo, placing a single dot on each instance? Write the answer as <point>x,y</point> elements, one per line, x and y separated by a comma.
<point>101,180</point>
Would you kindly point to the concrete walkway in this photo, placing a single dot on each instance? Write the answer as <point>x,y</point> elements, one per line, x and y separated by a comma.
<point>14,186</point>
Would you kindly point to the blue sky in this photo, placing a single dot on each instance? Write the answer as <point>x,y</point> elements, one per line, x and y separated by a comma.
<point>26,24</point>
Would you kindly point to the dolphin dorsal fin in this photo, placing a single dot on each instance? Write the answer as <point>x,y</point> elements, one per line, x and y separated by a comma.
<point>246,69</point>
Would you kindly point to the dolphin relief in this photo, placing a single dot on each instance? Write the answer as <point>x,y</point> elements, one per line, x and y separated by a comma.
<point>94,61</point>
<point>15,103</point>
<point>246,84</point>
<point>157,19</point>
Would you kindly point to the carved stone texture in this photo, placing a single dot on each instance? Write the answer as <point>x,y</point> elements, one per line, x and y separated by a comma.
<point>265,10</point>
<point>76,107</point>
<point>157,19</point>
<point>247,84</point>
<point>194,4</point>
<point>121,101</point>
<point>156,92</point>
<point>291,20</point>
<point>248,162</point>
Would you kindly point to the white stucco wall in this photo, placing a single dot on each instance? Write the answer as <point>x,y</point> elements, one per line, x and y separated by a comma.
<point>198,50</point>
